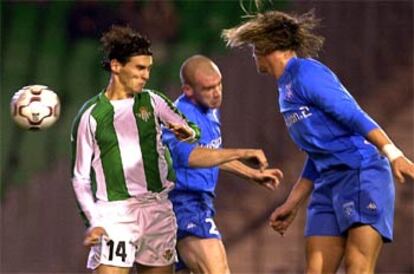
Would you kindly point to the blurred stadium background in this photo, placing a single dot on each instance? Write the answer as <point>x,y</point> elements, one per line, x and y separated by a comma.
<point>369,45</point>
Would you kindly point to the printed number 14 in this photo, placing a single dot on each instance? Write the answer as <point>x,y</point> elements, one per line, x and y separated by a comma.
<point>120,250</point>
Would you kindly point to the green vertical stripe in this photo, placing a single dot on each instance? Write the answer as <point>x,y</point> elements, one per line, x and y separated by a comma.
<point>171,173</point>
<point>108,144</point>
<point>145,119</point>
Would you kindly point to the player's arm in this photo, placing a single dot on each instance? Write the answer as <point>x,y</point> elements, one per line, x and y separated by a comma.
<point>269,178</point>
<point>331,96</point>
<point>401,165</point>
<point>82,153</point>
<point>191,155</point>
<point>283,216</point>
<point>206,157</point>
<point>172,118</point>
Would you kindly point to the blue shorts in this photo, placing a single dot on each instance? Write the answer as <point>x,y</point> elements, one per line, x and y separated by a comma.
<point>346,197</point>
<point>194,213</point>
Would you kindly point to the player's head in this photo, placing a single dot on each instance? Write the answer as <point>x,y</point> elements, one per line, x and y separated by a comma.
<point>275,31</point>
<point>201,81</point>
<point>127,56</point>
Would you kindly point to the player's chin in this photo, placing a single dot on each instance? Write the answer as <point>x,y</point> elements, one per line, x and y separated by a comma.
<point>138,88</point>
<point>216,104</point>
<point>261,69</point>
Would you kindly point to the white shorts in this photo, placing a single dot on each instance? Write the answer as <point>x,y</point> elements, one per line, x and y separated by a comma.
<point>139,230</point>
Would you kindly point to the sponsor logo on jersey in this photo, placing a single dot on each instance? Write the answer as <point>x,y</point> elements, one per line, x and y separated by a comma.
<point>303,113</point>
<point>144,114</point>
<point>215,143</point>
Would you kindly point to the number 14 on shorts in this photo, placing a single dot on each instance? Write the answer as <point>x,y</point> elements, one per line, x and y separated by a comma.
<point>117,252</point>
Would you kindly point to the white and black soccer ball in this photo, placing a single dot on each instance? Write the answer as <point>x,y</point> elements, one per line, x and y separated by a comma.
<point>35,107</point>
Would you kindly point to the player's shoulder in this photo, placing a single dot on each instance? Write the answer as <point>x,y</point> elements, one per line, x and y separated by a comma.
<point>88,104</point>
<point>309,69</point>
<point>155,93</point>
<point>185,105</point>
<point>309,65</point>
<point>157,97</point>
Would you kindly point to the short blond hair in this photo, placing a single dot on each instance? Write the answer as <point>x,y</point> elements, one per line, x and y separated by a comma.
<point>275,30</point>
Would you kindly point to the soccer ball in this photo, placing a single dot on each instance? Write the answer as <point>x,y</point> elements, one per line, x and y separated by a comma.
<point>35,107</point>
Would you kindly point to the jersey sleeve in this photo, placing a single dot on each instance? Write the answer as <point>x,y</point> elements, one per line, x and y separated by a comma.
<point>180,151</point>
<point>82,153</point>
<point>168,113</point>
<point>309,170</point>
<point>322,88</point>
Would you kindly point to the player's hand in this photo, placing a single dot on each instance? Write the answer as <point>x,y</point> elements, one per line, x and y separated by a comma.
<point>269,178</point>
<point>93,236</point>
<point>182,132</point>
<point>282,217</point>
<point>256,156</point>
<point>402,167</point>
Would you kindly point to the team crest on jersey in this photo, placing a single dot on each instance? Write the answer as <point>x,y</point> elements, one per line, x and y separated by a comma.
<point>289,92</point>
<point>144,114</point>
<point>168,254</point>
<point>349,208</point>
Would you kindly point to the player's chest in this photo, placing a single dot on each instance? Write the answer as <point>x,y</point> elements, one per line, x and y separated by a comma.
<point>210,132</point>
<point>290,99</point>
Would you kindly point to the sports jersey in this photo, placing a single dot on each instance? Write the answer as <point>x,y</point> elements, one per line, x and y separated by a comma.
<point>352,182</point>
<point>194,179</point>
<point>322,118</point>
<point>117,151</point>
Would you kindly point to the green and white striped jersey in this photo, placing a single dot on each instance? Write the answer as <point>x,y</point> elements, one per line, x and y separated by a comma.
<point>117,150</point>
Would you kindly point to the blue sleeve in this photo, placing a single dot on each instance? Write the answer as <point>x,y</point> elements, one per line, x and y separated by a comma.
<point>322,88</point>
<point>180,151</point>
<point>309,171</point>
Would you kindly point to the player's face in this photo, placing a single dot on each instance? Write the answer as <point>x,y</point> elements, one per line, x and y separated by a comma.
<point>273,63</point>
<point>262,65</point>
<point>135,73</point>
<point>207,90</point>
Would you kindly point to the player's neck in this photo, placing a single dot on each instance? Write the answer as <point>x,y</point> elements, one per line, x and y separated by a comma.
<point>280,61</point>
<point>117,91</point>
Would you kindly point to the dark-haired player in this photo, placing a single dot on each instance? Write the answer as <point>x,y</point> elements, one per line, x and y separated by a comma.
<point>121,169</point>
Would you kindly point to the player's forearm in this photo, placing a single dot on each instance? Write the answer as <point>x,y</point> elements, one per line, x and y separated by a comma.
<point>300,192</point>
<point>238,168</point>
<point>206,157</point>
<point>380,139</point>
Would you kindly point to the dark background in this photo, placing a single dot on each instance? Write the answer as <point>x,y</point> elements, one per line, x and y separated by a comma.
<point>369,44</point>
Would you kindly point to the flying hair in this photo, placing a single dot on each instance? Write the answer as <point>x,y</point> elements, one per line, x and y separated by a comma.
<point>275,30</point>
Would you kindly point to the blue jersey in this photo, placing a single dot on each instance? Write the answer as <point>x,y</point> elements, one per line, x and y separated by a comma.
<point>201,180</point>
<point>323,119</point>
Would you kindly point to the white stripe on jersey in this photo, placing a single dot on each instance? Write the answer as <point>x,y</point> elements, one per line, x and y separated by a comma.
<point>128,140</point>
<point>101,193</point>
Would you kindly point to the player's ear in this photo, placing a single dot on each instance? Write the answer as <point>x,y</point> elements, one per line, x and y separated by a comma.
<point>187,90</point>
<point>115,65</point>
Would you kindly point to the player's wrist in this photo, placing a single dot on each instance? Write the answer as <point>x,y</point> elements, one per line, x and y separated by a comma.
<point>391,152</point>
<point>191,135</point>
